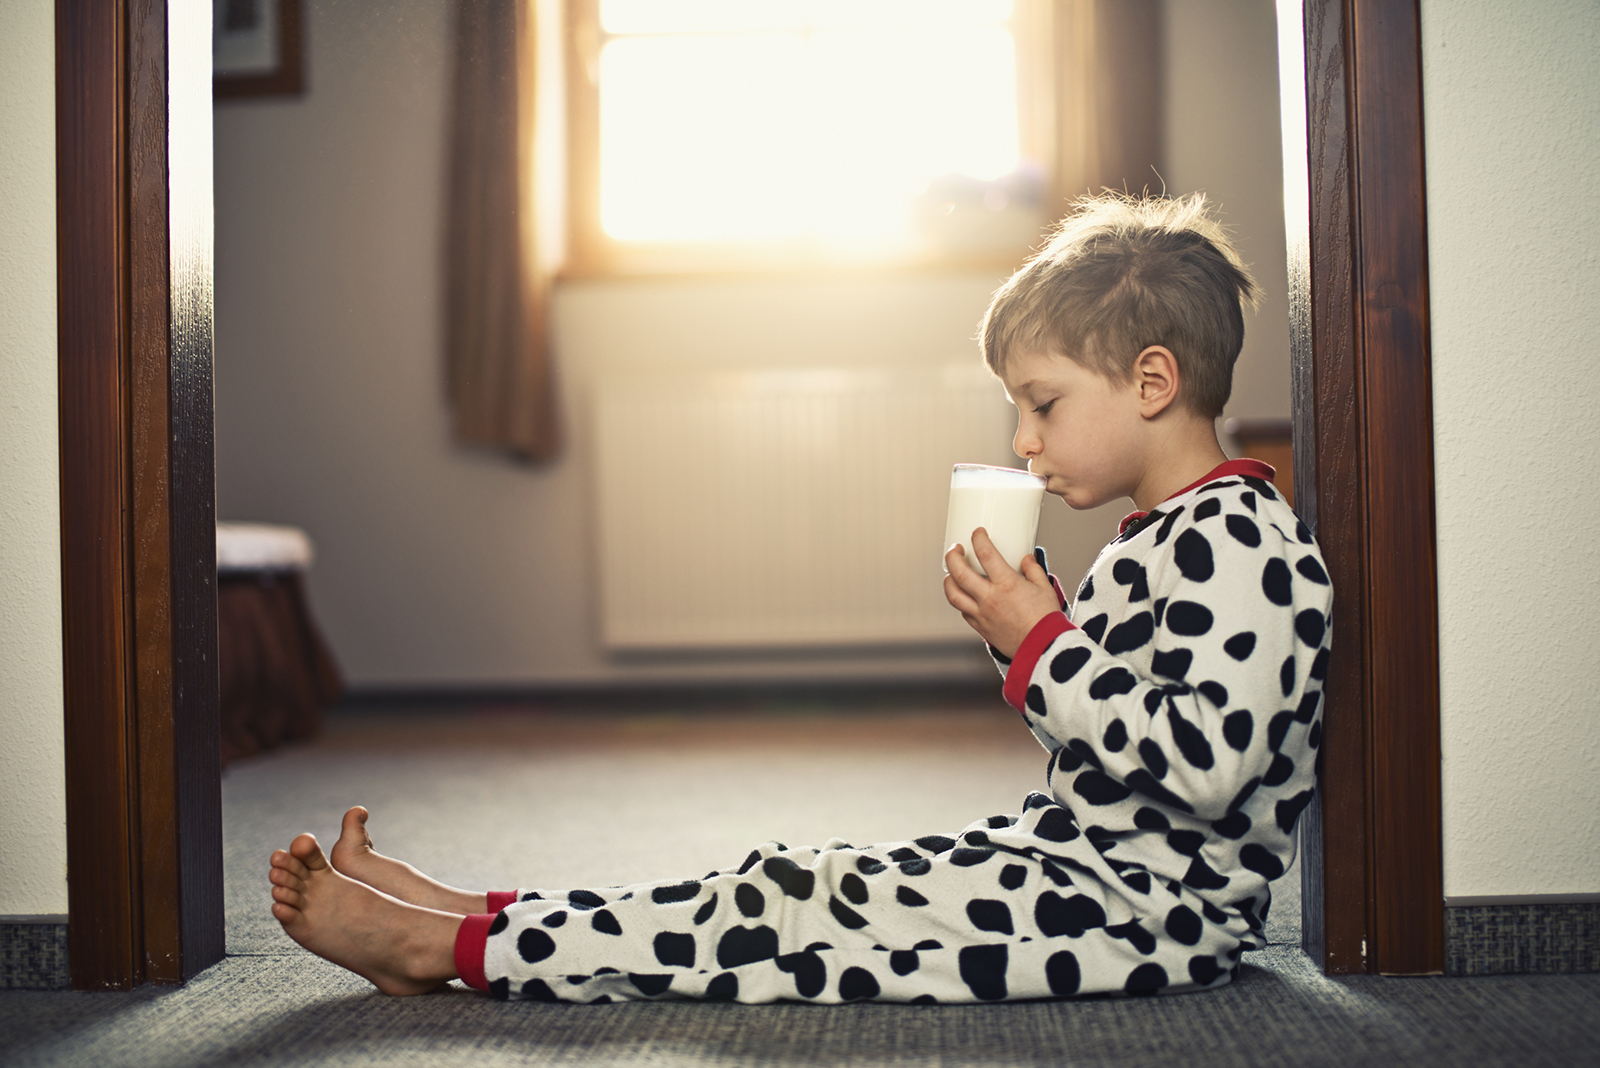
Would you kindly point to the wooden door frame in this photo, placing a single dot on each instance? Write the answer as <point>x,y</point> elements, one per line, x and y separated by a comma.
<point>138,551</point>
<point>1356,217</point>
<point>144,806</point>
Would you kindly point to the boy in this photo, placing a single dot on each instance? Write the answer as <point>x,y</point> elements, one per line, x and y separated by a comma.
<point>1179,704</point>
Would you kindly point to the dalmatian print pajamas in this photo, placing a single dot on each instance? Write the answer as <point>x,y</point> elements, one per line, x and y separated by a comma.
<point>1180,709</point>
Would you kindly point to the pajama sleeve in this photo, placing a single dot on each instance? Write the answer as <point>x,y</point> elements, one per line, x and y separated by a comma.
<point>1193,697</point>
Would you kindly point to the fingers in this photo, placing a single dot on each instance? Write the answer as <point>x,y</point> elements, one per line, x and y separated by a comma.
<point>983,548</point>
<point>1036,574</point>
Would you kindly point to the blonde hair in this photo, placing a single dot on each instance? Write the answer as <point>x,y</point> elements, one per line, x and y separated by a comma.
<point>1120,274</point>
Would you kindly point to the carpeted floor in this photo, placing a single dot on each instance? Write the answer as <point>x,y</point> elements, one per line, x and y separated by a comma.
<point>497,798</point>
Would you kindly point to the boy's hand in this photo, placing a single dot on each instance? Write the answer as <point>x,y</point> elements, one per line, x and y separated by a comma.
<point>1004,607</point>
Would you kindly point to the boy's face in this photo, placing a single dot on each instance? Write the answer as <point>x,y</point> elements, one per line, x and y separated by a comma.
<point>1080,430</point>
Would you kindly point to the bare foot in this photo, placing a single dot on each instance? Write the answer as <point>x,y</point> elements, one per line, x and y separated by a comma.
<point>399,948</point>
<point>354,856</point>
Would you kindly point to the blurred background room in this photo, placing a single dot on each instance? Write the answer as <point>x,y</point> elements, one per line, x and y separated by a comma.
<point>756,242</point>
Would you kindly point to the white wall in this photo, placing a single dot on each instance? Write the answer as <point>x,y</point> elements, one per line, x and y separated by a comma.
<point>1512,116</point>
<point>33,830</point>
<point>443,566</point>
<point>1223,138</point>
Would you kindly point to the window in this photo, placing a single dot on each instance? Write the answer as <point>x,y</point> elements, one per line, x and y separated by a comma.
<point>712,134</point>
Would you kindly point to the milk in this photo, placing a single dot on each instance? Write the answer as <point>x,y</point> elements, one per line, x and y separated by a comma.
<point>1002,500</point>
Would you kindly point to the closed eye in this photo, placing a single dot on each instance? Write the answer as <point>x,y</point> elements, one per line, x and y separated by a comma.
<point>1044,409</point>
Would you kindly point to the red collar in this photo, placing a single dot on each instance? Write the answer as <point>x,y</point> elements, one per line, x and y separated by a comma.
<point>1247,467</point>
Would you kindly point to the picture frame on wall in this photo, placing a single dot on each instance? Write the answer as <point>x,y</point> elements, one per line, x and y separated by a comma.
<point>258,48</point>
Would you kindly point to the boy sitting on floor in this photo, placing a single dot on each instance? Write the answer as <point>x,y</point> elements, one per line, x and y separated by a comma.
<point>1179,705</point>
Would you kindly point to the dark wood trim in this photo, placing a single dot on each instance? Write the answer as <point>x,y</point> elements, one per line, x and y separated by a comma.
<point>1390,241</point>
<point>143,800</point>
<point>102,893</point>
<point>1364,473</point>
<point>289,79</point>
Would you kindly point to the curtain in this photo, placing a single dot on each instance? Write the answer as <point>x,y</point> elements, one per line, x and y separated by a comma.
<point>498,264</point>
<point>1092,87</point>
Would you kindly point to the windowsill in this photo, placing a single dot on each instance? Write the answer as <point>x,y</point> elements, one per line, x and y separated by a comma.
<point>701,264</point>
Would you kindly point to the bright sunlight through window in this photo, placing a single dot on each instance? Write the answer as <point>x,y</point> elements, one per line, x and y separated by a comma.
<point>852,124</point>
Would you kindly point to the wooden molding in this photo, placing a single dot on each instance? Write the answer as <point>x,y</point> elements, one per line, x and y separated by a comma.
<point>1364,473</point>
<point>138,544</point>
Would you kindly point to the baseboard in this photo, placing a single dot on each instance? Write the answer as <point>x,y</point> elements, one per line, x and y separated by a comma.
<point>1522,937</point>
<point>33,953</point>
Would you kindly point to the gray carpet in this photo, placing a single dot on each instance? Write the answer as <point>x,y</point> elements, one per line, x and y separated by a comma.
<point>504,797</point>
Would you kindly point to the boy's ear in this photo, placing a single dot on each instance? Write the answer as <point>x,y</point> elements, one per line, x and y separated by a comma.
<point>1155,373</point>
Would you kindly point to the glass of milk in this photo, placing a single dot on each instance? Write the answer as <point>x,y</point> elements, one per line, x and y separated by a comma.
<point>1003,501</point>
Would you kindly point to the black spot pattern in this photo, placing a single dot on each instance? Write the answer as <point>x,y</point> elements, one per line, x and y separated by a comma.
<point>533,945</point>
<point>989,915</point>
<point>502,921</point>
<point>1112,682</point>
<point>1013,876</point>
<point>724,987</point>
<point>791,878</point>
<point>1129,573</point>
<point>1131,634</point>
<point>1056,825</point>
<point>936,843</point>
<point>909,897</point>
<point>1260,860</point>
<point>847,916</point>
<point>1192,553</point>
<point>1153,756</point>
<point>1096,627</point>
<point>1188,618</point>
<point>1071,916</point>
<point>666,895</point>
<point>1276,582</point>
<point>1310,625</point>
<point>1115,738</point>
<point>1098,788</point>
<point>750,901</point>
<point>1061,971</point>
<point>1244,532</point>
<point>1183,925</point>
<point>1241,645</point>
<point>983,969</point>
<point>605,923</point>
<point>1207,508</point>
<point>1190,740</point>
<point>809,971</point>
<point>1214,692</point>
<point>746,945</point>
<point>1172,663</point>
<point>1311,569</point>
<point>1237,729</point>
<point>1068,662</point>
<point>705,911</point>
<point>853,888</point>
<point>857,984</point>
<point>585,899</point>
<point>675,950</point>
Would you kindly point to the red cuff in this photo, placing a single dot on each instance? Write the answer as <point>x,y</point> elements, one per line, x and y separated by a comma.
<point>499,899</point>
<point>1027,656</point>
<point>472,940</point>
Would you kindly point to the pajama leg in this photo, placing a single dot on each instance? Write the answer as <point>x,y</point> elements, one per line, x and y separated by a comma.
<point>987,915</point>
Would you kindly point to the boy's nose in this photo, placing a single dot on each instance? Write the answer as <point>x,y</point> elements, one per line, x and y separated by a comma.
<point>1025,444</point>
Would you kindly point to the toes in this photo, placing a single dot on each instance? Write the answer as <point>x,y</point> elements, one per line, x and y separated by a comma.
<point>283,860</point>
<point>284,877</point>
<point>354,828</point>
<point>306,849</point>
<point>287,896</point>
<point>284,914</point>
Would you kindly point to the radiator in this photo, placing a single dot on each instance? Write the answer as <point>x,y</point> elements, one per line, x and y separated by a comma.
<point>800,508</point>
